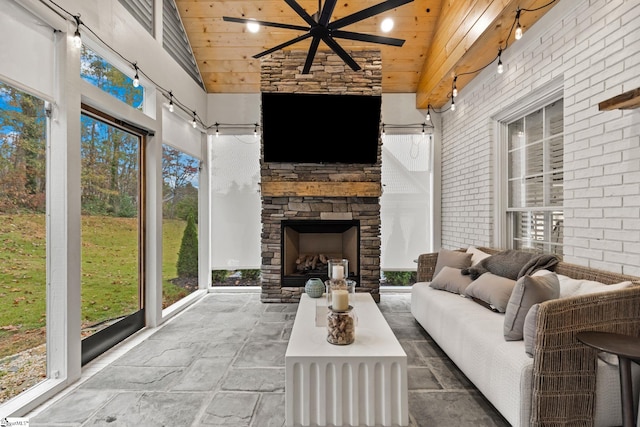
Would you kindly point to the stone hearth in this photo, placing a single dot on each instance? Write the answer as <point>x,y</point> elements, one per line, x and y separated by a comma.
<point>320,192</point>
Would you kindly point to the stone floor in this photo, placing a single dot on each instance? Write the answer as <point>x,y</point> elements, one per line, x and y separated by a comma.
<point>221,363</point>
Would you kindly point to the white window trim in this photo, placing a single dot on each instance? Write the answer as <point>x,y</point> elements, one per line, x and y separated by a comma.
<point>538,98</point>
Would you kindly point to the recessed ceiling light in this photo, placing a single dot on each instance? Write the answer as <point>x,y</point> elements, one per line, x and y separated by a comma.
<point>253,27</point>
<point>386,25</point>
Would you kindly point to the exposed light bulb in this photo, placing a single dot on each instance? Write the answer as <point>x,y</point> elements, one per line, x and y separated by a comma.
<point>500,67</point>
<point>453,105</point>
<point>386,25</point>
<point>171,102</point>
<point>253,27</point>
<point>77,40</point>
<point>255,130</point>
<point>518,32</point>
<point>136,79</point>
<point>454,92</point>
<point>194,123</point>
<point>428,118</point>
<point>217,131</point>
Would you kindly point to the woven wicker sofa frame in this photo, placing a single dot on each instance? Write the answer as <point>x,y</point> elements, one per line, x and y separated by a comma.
<point>564,371</point>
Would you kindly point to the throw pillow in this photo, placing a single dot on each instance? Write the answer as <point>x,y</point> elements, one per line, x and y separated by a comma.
<point>450,279</point>
<point>543,285</point>
<point>476,255</point>
<point>529,329</point>
<point>493,289</point>
<point>455,259</point>
<point>570,287</point>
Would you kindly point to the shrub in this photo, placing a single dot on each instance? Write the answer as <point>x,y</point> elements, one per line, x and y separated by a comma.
<point>250,274</point>
<point>400,278</point>
<point>187,265</point>
<point>218,276</point>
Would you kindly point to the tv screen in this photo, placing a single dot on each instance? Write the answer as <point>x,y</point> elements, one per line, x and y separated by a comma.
<point>320,128</point>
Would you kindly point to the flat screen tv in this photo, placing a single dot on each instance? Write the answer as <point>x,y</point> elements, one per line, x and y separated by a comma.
<point>320,128</point>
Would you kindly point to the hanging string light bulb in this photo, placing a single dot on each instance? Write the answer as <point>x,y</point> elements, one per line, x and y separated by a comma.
<point>500,66</point>
<point>77,39</point>
<point>428,116</point>
<point>255,130</point>
<point>453,104</point>
<point>194,123</point>
<point>171,101</point>
<point>217,131</point>
<point>454,90</point>
<point>518,26</point>
<point>136,79</point>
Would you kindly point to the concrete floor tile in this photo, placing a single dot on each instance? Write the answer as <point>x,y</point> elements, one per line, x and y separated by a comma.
<point>134,378</point>
<point>270,411</point>
<point>230,409</point>
<point>149,409</point>
<point>261,354</point>
<point>67,410</point>
<point>422,379</point>
<point>203,375</point>
<point>459,409</point>
<point>254,379</point>
<point>161,353</point>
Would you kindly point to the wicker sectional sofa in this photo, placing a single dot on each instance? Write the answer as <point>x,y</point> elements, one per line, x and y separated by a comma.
<point>565,383</point>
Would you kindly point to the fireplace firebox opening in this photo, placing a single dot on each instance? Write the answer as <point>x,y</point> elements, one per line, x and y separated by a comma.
<point>308,245</point>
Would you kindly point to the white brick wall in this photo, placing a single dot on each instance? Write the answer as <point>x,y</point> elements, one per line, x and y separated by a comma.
<point>593,47</point>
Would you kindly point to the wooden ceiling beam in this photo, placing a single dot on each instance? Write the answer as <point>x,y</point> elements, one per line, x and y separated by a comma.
<point>468,37</point>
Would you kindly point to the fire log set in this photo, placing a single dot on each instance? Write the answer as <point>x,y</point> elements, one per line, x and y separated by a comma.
<point>309,263</point>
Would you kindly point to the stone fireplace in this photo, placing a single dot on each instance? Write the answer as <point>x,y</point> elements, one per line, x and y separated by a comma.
<point>333,206</point>
<point>307,245</point>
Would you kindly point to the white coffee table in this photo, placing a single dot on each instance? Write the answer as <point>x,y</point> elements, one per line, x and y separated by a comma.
<point>360,384</point>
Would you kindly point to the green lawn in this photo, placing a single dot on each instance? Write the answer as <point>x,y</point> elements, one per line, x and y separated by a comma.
<point>109,273</point>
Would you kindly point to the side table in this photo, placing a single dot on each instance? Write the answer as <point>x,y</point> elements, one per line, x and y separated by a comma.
<point>627,348</point>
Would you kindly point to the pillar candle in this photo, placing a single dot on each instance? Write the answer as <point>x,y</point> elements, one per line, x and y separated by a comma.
<point>338,272</point>
<point>340,300</point>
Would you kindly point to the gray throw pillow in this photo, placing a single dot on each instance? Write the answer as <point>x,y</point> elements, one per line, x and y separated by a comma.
<point>455,259</point>
<point>451,279</point>
<point>529,329</point>
<point>543,285</point>
<point>492,289</point>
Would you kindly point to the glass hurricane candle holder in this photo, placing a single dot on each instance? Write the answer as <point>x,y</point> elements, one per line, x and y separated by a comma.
<point>338,269</point>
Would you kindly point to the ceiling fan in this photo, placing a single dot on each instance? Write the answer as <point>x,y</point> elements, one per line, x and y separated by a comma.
<point>321,29</point>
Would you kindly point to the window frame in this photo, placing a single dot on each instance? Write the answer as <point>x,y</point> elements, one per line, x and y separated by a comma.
<point>537,99</point>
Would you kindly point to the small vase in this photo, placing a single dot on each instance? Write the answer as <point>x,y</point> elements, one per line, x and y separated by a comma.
<point>314,287</point>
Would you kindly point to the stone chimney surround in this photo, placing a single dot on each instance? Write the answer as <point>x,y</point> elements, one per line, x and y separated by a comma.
<point>292,191</point>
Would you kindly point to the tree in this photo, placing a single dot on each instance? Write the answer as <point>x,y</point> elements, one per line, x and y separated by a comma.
<point>187,265</point>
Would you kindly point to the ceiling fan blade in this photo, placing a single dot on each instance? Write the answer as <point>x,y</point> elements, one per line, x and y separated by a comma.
<point>310,55</point>
<point>282,45</point>
<point>366,13</point>
<point>341,52</point>
<point>327,11</point>
<point>265,23</point>
<point>300,11</point>
<point>367,38</point>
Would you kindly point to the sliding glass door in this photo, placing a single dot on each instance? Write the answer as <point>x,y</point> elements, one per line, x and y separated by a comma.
<point>112,233</point>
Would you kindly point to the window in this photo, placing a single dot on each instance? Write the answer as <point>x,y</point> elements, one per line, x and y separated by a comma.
<point>23,237</point>
<point>97,71</point>
<point>535,148</point>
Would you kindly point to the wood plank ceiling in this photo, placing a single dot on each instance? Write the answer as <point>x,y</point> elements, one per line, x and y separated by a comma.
<point>443,38</point>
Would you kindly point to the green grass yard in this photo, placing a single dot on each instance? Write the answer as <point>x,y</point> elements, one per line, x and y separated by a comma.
<point>109,274</point>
